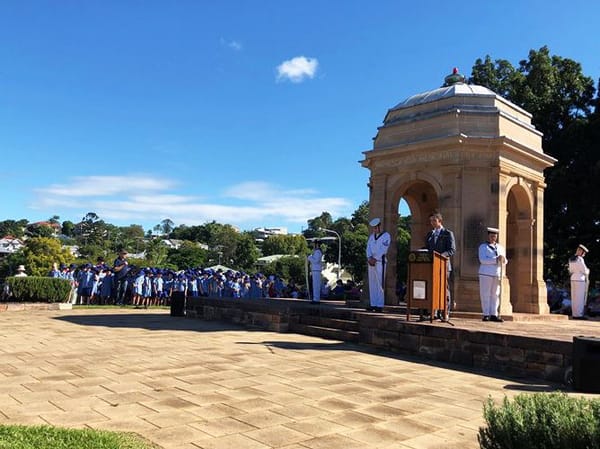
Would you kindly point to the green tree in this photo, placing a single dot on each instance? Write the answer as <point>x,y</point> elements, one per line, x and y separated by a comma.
<point>188,255</point>
<point>41,252</point>
<point>167,226</point>
<point>288,268</point>
<point>92,251</point>
<point>222,239</point>
<point>39,230</point>
<point>552,88</point>
<point>284,244</point>
<point>91,230</point>
<point>13,228</point>
<point>132,237</point>
<point>354,258</point>
<point>564,107</point>
<point>9,264</point>
<point>322,221</point>
<point>156,252</point>
<point>354,233</point>
<point>246,253</point>
<point>68,228</point>
<point>361,214</point>
<point>403,248</point>
<point>54,219</point>
<point>191,233</point>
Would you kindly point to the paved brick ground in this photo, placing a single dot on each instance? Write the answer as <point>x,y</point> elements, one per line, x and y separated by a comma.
<point>185,383</point>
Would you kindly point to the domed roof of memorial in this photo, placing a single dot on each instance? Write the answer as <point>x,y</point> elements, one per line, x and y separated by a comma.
<point>459,89</point>
<point>454,86</point>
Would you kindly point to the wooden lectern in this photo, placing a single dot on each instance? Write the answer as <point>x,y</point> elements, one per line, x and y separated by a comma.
<point>427,282</point>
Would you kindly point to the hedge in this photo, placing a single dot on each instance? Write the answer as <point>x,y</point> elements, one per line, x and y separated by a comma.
<point>37,289</point>
<point>542,421</point>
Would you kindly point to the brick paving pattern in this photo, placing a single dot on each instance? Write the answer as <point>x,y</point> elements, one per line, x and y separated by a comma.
<point>190,384</point>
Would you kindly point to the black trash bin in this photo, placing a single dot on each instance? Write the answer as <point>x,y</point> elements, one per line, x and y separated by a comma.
<point>586,364</point>
<point>178,304</point>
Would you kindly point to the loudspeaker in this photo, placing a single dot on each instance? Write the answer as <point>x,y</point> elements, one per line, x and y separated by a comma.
<point>586,364</point>
<point>178,304</point>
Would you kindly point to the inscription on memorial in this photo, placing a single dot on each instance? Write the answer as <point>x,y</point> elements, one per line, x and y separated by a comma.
<point>457,156</point>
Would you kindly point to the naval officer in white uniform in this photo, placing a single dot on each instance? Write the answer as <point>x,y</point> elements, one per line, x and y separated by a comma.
<point>316,265</point>
<point>377,248</point>
<point>492,258</point>
<point>579,282</point>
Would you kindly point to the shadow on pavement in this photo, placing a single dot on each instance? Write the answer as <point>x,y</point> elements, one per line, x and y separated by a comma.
<point>149,321</point>
<point>165,322</point>
<point>523,384</point>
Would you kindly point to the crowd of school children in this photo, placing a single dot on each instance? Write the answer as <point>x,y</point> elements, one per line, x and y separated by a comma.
<point>559,299</point>
<point>97,284</point>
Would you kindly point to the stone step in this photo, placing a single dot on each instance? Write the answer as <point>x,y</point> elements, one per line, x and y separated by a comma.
<point>325,321</point>
<point>515,316</point>
<point>339,313</point>
<point>325,332</point>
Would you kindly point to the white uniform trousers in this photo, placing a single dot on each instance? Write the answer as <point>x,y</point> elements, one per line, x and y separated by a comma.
<point>316,286</point>
<point>376,276</point>
<point>578,298</point>
<point>489,292</point>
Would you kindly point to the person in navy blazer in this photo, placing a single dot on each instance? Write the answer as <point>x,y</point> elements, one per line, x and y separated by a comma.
<point>441,240</point>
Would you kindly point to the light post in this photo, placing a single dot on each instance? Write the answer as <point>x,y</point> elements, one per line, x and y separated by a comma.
<point>339,273</point>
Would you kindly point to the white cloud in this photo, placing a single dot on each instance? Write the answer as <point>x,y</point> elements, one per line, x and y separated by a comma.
<point>146,200</point>
<point>106,185</point>
<point>232,44</point>
<point>297,69</point>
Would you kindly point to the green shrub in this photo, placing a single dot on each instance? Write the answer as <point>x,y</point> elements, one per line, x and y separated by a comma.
<point>541,421</point>
<point>38,289</point>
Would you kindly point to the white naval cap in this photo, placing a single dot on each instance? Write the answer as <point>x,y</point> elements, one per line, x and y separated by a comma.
<point>492,230</point>
<point>583,248</point>
<point>375,222</point>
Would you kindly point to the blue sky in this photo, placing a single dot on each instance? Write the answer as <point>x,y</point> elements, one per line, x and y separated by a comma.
<point>253,113</point>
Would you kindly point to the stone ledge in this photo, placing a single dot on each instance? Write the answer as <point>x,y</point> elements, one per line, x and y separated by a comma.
<point>21,306</point>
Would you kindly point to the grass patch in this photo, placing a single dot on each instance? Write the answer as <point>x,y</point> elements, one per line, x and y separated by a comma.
<point>47,437</point>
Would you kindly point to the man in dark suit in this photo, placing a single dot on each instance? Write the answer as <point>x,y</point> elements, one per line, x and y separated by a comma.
<point>441,240</point>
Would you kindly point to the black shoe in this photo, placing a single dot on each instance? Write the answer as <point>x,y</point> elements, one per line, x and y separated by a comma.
<point>423,318</point>
<point>378,309</point>
<point>369,309</point>
<point>315,302</point>
<point>579,317</point>
<point>485,318</point>
<point>496,319</point>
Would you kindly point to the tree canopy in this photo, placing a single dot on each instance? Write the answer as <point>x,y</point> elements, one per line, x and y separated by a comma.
<point>564,106</point>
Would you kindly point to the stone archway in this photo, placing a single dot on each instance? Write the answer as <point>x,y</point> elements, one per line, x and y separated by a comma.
<point>422,198</point>
<point>476,158</point>
<point>521,244</point>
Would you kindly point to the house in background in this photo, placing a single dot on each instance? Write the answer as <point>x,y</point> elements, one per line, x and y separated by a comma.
<point>10,245</point>
<point>260,234</point>
<point>55,226</point>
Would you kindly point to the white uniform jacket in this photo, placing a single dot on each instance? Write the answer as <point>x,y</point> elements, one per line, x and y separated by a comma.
<point>315,259</point>
<point>577,269</point>
<point>488,259</point>
<point>377,246</point>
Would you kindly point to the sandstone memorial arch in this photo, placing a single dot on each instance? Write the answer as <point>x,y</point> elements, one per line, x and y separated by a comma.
<point>475,157</point>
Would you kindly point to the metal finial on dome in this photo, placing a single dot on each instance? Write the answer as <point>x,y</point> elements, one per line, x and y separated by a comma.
<point>454,78</point>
